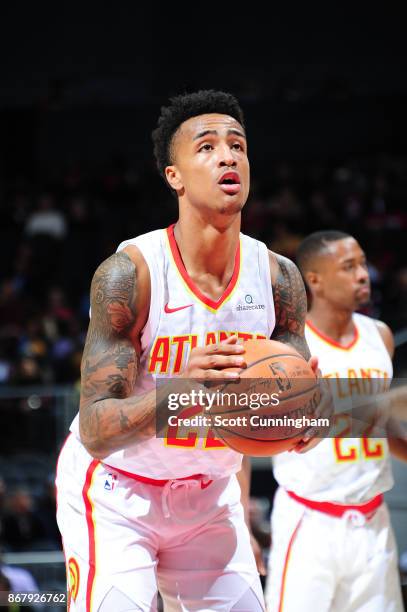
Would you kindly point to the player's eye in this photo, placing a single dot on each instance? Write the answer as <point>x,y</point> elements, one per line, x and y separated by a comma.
<point>205,147</point>
<point>237,146</point>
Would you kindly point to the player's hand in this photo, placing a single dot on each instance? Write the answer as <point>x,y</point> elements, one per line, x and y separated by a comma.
<point>209,362</point>
<point>324,410</point>
<point>261,568</point>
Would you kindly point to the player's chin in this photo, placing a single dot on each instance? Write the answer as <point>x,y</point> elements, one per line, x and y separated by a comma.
<point>362,298</point>
<point>232,209</point>
<point>232,204</point>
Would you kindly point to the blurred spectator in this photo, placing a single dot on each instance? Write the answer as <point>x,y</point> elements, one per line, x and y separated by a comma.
<point>21,524</point>
<point>2,504</point>
<point>11,305</point>
<point>19,579</point>
<point>259,511</point>
<point>285,242</point>
<point>46,220</point>
<point>5,586</point>
<point>47,514</point>
<point>32,344</point>
<point>28,372</point>
<point>396,304</point>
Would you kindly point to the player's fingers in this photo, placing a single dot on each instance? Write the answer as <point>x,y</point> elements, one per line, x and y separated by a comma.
<point>224,348</point>
<point>306,444</point>
<point>213,362</point>
<point>313,363</point>
<point>261,568</point>
<point>209,375</point>
<point>230,339</point>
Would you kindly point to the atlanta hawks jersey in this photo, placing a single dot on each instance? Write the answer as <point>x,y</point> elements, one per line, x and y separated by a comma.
<point>342,469</point>
<point>181,317</point>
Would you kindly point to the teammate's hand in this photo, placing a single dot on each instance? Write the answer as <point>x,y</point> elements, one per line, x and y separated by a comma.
<point>209,362</point>
<point>324,410</point>
<point>261,568</point>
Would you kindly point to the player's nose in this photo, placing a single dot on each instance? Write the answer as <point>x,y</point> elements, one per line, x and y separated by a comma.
<point>362,275</point>
<point>226,157</point>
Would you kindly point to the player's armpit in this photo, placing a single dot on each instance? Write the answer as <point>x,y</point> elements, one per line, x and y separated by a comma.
<point>109,416</point>
<point>290,303</point>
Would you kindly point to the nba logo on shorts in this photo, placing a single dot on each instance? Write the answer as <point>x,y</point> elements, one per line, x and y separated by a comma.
<point>110,482</point>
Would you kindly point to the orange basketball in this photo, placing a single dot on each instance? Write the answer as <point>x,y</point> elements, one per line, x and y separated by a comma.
<point>268,410</point>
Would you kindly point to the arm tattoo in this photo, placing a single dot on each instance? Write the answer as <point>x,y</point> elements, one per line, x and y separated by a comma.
<point>290,303</point>
<point>109,414</point>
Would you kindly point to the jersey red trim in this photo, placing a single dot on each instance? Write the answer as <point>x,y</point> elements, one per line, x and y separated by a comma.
<point>91,532</point>
<point>332,342</point>
<point>339,510</point>
<point>157,482</point>
<point>285,568</point>
<point>190,283</point>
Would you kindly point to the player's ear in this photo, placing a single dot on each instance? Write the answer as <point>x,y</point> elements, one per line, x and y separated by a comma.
<point>173,177</point>
<point>313,280</point>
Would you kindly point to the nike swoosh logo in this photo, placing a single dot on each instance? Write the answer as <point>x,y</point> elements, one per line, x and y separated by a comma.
<point>169,310</point>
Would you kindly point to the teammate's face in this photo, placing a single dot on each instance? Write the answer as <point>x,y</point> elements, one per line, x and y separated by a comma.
<point>211,169</point>
<point>342,277</point>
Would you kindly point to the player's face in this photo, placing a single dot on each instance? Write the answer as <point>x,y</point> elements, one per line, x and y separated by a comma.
<point>344,277</point>
<point>211,169</point>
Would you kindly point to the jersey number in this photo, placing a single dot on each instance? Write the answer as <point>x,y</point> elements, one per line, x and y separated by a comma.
<point>209,440</point>
<point>369,448</point>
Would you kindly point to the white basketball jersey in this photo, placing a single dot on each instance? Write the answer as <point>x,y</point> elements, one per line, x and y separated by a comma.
<point>180,318</point>
<point>343,470</point>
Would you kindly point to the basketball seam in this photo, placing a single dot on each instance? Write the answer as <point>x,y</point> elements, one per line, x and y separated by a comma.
<point>272,357</point>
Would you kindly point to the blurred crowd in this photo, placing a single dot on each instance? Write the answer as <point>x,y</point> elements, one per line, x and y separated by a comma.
<point>54,234</point>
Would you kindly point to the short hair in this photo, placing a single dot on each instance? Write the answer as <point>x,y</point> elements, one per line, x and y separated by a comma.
<point>314,245</point>
<point>182,108</point>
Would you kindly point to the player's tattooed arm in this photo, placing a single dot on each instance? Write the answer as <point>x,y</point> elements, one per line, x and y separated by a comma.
<point>290,303</point>
<point>110,416</point>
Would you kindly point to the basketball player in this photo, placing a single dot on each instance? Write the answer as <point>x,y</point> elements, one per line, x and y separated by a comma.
<point>135,509</point>
<point>333,547</point>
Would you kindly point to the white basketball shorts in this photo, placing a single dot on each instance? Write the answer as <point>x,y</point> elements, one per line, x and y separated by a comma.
<point>188,537</point>
<point>324,563</point>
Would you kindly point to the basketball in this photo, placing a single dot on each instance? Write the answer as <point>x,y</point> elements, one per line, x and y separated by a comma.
<point>274,401</point>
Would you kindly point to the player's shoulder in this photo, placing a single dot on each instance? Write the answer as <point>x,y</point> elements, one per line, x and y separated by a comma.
<point>387,335</point>
<point>145,242</point>
<point>368,323</point>
<point>121,286</point>
<point>282,267</point>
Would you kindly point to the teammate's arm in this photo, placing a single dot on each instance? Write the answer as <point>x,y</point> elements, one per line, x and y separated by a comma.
<point>290,303</point>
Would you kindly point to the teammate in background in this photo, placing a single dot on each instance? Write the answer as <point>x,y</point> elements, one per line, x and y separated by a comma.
<point>333,547</point>
<point>135,509</point>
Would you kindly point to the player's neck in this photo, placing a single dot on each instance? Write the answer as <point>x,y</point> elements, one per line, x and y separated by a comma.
<point>335,323</point>
<point>207,249</point>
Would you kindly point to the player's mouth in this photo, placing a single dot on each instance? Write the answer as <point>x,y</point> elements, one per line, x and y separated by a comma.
<point>363,292</point>
<point>229,182</point>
